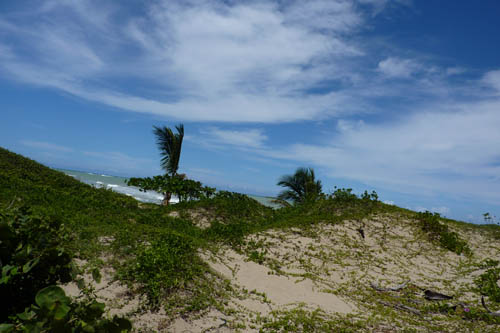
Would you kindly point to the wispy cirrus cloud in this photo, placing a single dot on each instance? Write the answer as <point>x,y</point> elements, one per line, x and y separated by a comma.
<point>252,138</point>
<point>451,150</point>
<point>398,68</point>
<point>247,62</point>
<point>492,80</point>
<point>43,145</point>
<point>431,125</point>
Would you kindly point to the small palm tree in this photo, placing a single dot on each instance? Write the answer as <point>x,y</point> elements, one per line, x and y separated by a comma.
<point>302,186</point>
<point>170,146</point>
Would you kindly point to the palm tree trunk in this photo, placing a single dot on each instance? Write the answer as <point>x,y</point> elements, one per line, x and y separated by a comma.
<point>166,198</point>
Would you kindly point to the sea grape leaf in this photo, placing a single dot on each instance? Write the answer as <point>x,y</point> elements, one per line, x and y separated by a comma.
<point>97,309</point>
<point>118,325</point>
<point>26,315</point>
<point>123,323</point>
<point>30,264</point>
<point>54,299</point>
<point>4,328</point>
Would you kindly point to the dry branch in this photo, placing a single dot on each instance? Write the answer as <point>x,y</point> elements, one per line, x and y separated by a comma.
<point>494,314</point>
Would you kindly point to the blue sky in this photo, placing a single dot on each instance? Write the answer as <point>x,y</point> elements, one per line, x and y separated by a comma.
<point>398,96</point>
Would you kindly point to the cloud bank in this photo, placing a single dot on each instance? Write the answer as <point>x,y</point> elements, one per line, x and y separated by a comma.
<point>264,63</point>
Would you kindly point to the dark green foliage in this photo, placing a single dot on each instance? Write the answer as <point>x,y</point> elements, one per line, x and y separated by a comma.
<point>88,213</point>
<point>241,215</point>
<point>32,256</point>
<point>487,283</point>
<point>53,311</point>
<point>184,189</point>
<point>237,216</point>
<point>170,146</point>
<point>237,206</point>
<point>165,265</point>
<point>302,186</point>
<point>440,232</point>
<point>343,195</point>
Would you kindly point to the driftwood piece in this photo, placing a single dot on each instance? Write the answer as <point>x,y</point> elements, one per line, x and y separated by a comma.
<point>494,314</point>
<point>403,307</point>
<point>435,296</point>
<point>397,288</point>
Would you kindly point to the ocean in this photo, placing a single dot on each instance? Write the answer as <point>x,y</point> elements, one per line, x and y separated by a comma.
<point>119,184</point>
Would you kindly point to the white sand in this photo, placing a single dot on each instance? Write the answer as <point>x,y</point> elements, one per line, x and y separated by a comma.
<point>329,268</point>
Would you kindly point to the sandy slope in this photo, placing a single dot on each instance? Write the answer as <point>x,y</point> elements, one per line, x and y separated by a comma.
<point>329,267</point>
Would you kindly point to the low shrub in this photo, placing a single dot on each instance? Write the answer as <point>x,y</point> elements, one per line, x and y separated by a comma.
<point>487,283</point>
<point>429,222</point>
<point>167,264</point>
<point>32,256</point>
<point>53,311</point>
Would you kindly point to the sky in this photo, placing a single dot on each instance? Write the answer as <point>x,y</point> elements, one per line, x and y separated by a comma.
<point>397,96</point>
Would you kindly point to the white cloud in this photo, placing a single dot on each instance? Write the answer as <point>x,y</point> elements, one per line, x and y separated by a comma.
<point>118,162</point>
<point>211,61</point>
<point>455,70</point>
<point>337,16</point>
<point>452,150</point>
<point>441,210</point>
<point>46,146</point>
<point>253,138</point>
<point>492,80</point>
<point>398,68</point>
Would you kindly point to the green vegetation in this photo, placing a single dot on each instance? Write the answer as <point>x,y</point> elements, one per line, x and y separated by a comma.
<point>47,219</point>
<point>34,257</point>
<point>487,283</point>
<point>437,231</point>
<point>171,182</point>
<point>166,265</point>
<point>53,311</point>
<point>303,320</point>
<point>302,186</point>
<point>184,189</point>
<point>170,146</point>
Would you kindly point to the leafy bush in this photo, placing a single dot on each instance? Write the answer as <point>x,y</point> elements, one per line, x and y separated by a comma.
<point>343,195</point>
<point>167,264</point>
<point>429,222</point>
<point>184,189</point>
<point>32,256</point>
<point>237,206</point>
<point>487,283</point>
<point>53,311</point>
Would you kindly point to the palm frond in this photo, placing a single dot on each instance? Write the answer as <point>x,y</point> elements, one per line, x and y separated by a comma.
<point>302,186</point>
<point>170,145</point>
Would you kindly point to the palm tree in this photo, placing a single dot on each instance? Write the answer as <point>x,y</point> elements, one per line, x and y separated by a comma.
<point>302,186</point>
<point>170,146</point>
